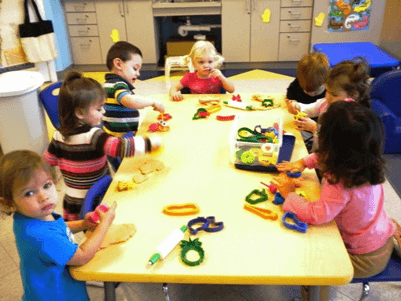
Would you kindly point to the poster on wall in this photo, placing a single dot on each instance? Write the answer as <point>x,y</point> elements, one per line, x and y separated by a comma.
<point>349,15</point>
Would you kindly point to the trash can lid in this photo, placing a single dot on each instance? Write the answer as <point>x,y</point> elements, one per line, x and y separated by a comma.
<point>15,83</point>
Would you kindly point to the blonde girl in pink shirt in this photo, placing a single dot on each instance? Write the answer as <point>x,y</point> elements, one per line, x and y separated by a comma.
<point>349,156</point>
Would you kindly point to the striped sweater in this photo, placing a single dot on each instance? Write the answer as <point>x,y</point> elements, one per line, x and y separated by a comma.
<point>118,119</point>
<point>82,159</point>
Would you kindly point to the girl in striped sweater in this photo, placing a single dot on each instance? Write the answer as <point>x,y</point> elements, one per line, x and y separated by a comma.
<point>79,148</point>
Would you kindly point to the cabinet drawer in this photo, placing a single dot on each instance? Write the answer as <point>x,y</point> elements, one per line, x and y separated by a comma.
<point>295,26</point>
<point>86,51</point>
<point>293,46</point>
<point>296,13</point>
<point>81,18</point>
<point>79,6</point>
<point>83,30</point>
<point>291,3</point>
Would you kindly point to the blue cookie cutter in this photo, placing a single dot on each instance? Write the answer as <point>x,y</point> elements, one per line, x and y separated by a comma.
<point>214,226</point>
<point>294,175</point>
<point>209,225</point>
<point>278,199</point>
<point>298,226</point>
<point>200,219</point>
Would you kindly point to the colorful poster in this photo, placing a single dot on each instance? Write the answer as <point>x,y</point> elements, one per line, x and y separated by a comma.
<point>349,15</point>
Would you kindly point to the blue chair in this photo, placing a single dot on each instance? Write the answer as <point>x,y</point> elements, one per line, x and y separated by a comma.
<point>95,193</point>
<point>49,98</point>
<point>385,95</point>
<point>392,272</point>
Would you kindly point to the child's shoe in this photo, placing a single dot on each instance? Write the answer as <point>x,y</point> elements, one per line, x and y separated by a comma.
<point>397,238</point>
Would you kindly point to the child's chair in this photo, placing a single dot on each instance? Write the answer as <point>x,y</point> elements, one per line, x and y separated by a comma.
<point>95,194</point>
<point>385,95</point>
<point>49,98</point>
<point>176,62</point>
<point>391,273</point>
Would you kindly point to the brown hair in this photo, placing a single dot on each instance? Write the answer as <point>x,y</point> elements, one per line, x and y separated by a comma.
<point>16,170</point>
<point>351,76</point>
<point>122,50</point>
<point>312,71</point>
<point>350,145</point>
<point>77,92</point>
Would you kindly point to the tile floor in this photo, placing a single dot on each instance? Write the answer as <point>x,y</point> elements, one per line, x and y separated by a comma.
<point>10,280</point>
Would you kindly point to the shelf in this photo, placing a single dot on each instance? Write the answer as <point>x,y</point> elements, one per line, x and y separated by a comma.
<point>163,9</point>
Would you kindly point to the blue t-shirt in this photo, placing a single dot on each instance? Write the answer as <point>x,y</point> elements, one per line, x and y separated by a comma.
<point>44,248</point>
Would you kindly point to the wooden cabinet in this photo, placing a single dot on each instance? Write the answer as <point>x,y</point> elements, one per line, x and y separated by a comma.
<point>295,27</point>
<point>82,28</point>
<point>245,37</point>
<point>134,21</point>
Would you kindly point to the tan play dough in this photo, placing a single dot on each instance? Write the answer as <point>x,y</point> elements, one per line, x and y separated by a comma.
<point>150,166</point>
<point>116,234</point>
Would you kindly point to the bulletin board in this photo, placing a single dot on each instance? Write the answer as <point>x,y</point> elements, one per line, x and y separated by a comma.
<point>349,15</point>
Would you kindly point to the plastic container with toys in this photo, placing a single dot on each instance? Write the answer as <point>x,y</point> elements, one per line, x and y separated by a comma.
<point>257,142</point>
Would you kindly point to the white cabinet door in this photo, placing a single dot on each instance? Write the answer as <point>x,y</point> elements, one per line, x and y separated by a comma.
<point>235,30</point>
<point>141,28</point>
<point>110,15</point>
<point>265,36</point>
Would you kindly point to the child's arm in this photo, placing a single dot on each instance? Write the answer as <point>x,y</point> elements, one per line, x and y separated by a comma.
<point>175,92</point>
<point>140,102</point>
<point>81,225</point>
<point>88,249</point>
<point>227,85</point>
<point>306,124</point>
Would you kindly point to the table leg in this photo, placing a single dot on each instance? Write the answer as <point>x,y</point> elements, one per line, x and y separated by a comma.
<point>110,291</point>
<point>165,291</point>
<point>314,293</point>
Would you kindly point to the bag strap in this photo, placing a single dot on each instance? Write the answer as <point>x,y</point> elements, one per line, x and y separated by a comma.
<point>27,21</point>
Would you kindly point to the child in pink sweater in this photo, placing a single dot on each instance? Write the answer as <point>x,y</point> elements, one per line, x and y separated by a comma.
<point>350,157</point>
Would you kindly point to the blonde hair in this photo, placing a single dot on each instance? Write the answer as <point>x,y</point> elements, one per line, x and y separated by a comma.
<point>201,48</point>
<point>312,70</point>
<point>16,170</point>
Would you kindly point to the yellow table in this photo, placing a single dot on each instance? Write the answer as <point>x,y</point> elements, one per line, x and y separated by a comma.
<point>249,250</point>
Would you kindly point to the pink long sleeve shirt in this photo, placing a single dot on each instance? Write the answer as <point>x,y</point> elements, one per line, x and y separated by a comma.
<point>358,211</point>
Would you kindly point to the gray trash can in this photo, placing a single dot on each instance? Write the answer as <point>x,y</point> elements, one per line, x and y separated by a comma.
<point>22,120</point>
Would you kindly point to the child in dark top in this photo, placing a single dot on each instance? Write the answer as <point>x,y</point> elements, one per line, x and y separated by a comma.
<point>124,61</point>
<point>308,86</point>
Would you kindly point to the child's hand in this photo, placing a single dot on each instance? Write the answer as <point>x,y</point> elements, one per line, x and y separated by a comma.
<point>285,185</point>
<point>298,166</point>
<point>107,217</point>
<point>158,106</point>
<point>177,96</point>
<point>306,124</point>
<point>293,106</point>
<point>216,73</point>
<point>89,222</point>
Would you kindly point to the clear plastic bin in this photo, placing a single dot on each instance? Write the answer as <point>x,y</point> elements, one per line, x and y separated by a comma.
<point>262,153</point>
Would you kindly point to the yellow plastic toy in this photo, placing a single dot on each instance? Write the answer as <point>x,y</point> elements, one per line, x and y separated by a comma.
<point>300,115</point>
<point>266,16</point>
<point>319,19</point>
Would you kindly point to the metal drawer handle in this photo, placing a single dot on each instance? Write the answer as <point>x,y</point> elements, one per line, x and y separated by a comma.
<point>82,20</point>
<point>293,40</point>
<point>294,26</point>
<point>86,45</point>
<point>83,31</point>
<point>294,14</point>
<point>80,6</point>
<point>297,1</point>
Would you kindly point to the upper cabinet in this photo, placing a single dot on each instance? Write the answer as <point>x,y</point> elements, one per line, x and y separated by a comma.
<point>250,30</point>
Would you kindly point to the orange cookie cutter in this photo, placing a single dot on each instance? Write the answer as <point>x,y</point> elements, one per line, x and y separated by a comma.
<point>181,209</point>
<point>264,213</point>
